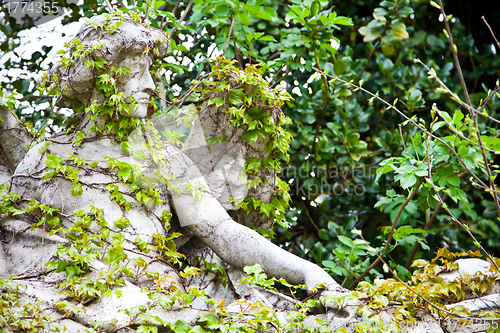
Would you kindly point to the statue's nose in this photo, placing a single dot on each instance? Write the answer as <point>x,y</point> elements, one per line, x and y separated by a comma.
<point>147,82</point>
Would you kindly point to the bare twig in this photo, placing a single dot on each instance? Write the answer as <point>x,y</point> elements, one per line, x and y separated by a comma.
<point>161,91</point>
<point>310,217</point>
<point>462,136</point>
<point>183,17</point>
<point>347,269</point>
<point>372,52</point>
<point>110,7</point>
<point>229,36</point>
<point>184,97</point>
<point>429,164</point>
<point>176,7</point>
<point>237,54</point>
<point>325,105</point>
<point>152,6</point>
<point>274,80</point>
<point>427,226</point>
<point>454,52</point>
<point>389,237</point>
<point>469,108</point>
<point>402,138</point>
<point>423,129</point>
<point>250,52</point>
<point>485,101</point>
<point>413,291</point>
<point>491,31</point>
<point>274,56</point>
<point>164,21</point>
<point>403,206</point>
<point>180,101</point>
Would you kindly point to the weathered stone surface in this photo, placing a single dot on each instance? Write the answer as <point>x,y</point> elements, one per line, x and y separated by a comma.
<point>469,266</point>
<point>13,141</point>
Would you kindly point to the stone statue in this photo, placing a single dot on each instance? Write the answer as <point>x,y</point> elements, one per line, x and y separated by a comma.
<point>104,206</point>
<point>87,175</point>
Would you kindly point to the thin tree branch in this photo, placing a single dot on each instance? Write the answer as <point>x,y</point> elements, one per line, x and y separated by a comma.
<point>228,36</point>
<point>423,129</point>
<point>176,7</point>
<point>325,105</point>
<point>237,54</point>
<point>183,17</point>
<point>358,279</point>
<point>427,226</point>
<point>372,51</point>
<point>110,7</point>
<point>412,290</point>
<point>389,237</point>
<point>429,164</point>
<point>454,52</point>
<point>407,201</point>
<point>152,6</point>
<point>462,136</point>
<point>457,99</point>
<point>347,269</point>
<point>469,108</point>
<point>147,10</point>
<point>309,216</point>
<point>274,81</point>
<point>491,31</point>
<point>402,139</point>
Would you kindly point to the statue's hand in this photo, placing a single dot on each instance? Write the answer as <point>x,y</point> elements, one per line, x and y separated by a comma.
<point>337,298</point>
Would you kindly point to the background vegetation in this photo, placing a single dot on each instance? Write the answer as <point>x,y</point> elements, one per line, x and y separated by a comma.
<point>356,163</point>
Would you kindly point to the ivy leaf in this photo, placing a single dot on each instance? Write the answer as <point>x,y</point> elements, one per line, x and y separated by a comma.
<point>76,189</point>
<point>115,256</point>
<point>252,136</point>
<point>72,271</point>
<point>212,321</point>
<point>122,223</point>
<point>53,161</point>
<point>255,269</point>
<point>49,174</point>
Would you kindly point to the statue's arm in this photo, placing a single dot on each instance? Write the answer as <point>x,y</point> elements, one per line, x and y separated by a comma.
<point>235,243</point>
<point>13,140</point>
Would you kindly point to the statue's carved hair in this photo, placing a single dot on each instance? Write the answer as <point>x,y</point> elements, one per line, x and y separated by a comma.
<point>77,80</point>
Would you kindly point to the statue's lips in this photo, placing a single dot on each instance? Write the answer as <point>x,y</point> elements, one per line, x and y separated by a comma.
<point>142,98</point>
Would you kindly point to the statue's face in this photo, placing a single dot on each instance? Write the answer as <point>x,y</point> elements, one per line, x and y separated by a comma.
<point>138,83</point>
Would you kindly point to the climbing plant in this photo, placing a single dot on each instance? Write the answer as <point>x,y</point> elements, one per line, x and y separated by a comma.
<point>391,122</point>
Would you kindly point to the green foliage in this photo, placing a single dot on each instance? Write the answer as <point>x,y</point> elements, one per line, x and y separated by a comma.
<point>259,278</point>
<point>426,290</point>
<point>376,134</point>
